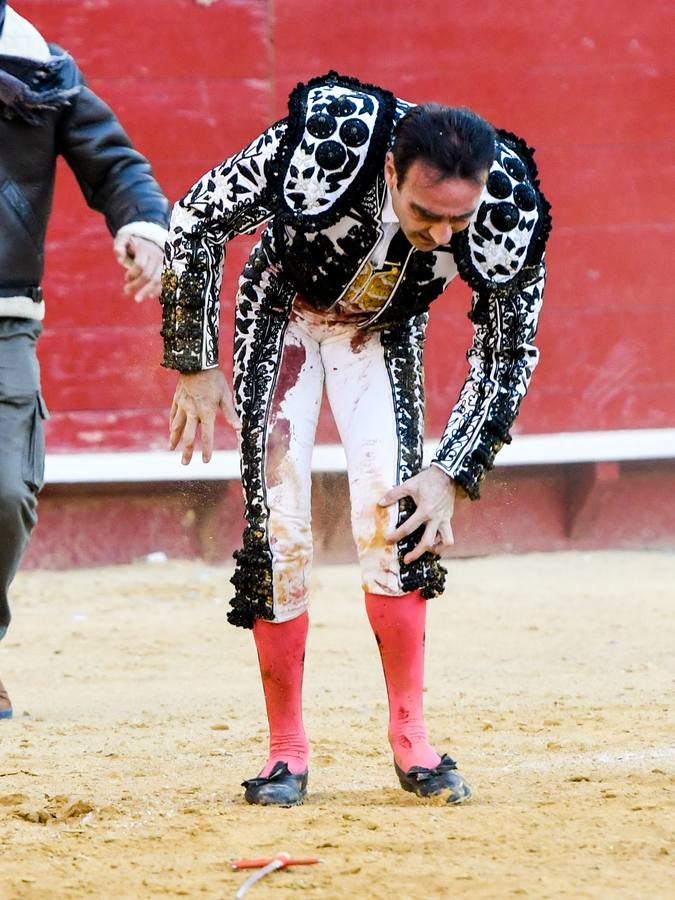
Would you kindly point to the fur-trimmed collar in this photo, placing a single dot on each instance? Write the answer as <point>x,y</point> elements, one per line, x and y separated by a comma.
<point>32,104</point>
<point>23,49</point>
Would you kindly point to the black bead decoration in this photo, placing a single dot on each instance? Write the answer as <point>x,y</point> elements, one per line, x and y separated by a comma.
<point>341,106</point>
<point>330,155</point>
<point>515,168</point>
<point>524,197</point>
<point>504,216</point>
<point>354,132</point>
<point>321,125</point>
<point>499,185</point>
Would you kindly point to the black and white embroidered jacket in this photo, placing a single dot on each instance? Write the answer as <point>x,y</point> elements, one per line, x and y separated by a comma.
<point>316,177</point>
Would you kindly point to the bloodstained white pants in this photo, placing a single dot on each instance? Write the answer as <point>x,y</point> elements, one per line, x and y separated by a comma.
<point>318,351</point>
<point>374,384</point>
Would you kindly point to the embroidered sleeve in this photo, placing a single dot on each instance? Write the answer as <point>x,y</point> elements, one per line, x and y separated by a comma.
<point>501,255</point>
<point>232,199</point>
<point>501,359</point>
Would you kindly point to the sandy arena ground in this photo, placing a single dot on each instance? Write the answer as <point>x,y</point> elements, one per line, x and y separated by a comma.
<point>138,712</point>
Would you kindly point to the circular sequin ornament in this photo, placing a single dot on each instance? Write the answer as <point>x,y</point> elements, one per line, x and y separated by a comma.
<point>321,125</point>
<point>341,106</point>
<point>515,168</point>
<point>354,132</point>
<point>499,185</point>
<point>524,197</point>
<point>504,216</point>
<point>330,155</point>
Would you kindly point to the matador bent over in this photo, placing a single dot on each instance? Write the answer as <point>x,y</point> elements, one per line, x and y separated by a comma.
<point>371,207</point>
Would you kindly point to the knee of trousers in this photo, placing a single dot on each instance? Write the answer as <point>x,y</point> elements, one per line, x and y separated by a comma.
<point>378,557</point>
<point>17,518</point>
<point>18,508</point>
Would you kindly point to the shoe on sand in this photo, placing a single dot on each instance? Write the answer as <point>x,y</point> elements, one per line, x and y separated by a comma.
<point>279,788</point>
<point>443,782</point>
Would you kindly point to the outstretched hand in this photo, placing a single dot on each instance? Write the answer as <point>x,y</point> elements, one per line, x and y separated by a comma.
<point>196,402</point>
<point>143,261</point>
<point>434,495</point>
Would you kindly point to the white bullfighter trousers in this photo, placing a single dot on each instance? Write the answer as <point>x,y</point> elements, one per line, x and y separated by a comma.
<point>374,384</point>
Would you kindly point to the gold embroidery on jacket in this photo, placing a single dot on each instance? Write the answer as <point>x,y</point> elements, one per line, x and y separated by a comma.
<point>371,288</point>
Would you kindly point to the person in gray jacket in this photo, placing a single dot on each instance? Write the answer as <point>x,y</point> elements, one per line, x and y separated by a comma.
<point>47,110</point>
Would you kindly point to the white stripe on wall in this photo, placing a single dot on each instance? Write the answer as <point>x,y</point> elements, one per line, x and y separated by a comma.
<point>526,450</point>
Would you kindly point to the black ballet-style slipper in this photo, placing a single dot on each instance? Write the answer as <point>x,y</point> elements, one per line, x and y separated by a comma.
<point>443,781</point>
<point>279,788</point>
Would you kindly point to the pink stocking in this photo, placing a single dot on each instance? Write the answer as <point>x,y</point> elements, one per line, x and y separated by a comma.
<point>398,624</point>
<point>281,654</point>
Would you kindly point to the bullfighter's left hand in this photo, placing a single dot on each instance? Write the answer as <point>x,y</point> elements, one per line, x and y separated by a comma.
<point>434,495</point>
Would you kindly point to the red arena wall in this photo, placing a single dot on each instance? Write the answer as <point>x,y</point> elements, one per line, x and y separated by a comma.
<point>590,86</point>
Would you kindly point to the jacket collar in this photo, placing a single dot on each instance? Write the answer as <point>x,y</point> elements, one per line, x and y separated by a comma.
<point>20,38</point>
<point>387,214</point>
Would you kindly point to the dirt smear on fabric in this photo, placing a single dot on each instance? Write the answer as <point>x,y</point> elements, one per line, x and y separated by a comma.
<point>138,712</point>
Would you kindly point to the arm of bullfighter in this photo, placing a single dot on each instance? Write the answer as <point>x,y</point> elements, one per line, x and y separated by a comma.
<point>502,359</point>
<point>501,255</point>
<point>233,198</point>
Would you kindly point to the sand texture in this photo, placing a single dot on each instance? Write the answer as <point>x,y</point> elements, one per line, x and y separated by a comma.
<point>138,712</point>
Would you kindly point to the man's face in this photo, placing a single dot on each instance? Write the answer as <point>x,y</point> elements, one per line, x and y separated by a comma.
<point>429,210</point>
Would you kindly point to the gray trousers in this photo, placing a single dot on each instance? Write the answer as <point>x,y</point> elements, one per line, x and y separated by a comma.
<point>22,447</point>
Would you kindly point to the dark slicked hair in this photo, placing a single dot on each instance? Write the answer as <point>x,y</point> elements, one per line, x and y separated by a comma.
<point>451,139</point>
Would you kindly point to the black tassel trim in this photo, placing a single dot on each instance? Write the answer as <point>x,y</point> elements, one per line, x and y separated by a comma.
<point>182,302</point>
<point>469,480</point>
<point>252,581</point>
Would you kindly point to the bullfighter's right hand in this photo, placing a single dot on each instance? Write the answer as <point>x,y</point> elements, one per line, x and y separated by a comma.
<point>196,401</point>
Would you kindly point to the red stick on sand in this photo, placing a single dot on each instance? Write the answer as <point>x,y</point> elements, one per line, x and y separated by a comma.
<point>267,865</point>
<point>287,861</point>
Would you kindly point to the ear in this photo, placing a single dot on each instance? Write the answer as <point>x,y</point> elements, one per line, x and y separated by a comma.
<point>390,171</point>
